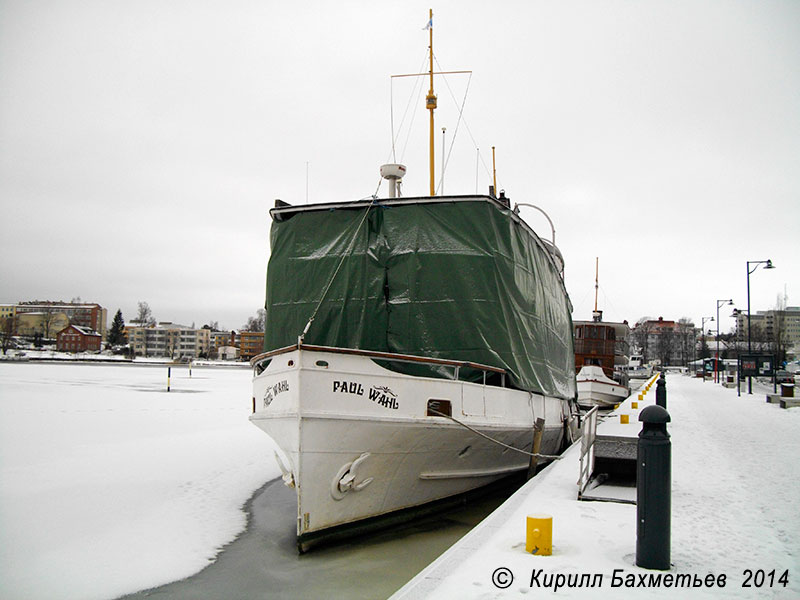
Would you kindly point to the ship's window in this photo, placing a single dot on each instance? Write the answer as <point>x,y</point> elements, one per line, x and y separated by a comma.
<point>322,363</point>
<point>440,406</point>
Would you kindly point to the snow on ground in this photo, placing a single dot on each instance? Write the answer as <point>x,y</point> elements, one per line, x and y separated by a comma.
<point>109,484</point>
<point>735,505</point>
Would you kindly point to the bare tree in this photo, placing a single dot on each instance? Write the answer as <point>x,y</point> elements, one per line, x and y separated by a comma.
<point>665,345</point>
<point>759,339</point>
<point>8,329</point>
<point>256,323</point>
<point>685,339</point>
<point>144,315</point>
<point>640,334</point>
<point>48,319</point>
<point>779,341</point>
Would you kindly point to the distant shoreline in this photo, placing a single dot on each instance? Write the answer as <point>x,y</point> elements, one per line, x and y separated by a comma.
<point>121,361</point>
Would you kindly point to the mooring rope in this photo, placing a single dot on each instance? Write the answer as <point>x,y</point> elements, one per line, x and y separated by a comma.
<point>491,439</point>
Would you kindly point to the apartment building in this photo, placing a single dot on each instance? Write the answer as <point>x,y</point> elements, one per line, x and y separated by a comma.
<point>170,340</point>
<point>251,344</point>
<point>89,315</point>
<point>221,339</point>
<point>669,342</point>
<point>768,325</point>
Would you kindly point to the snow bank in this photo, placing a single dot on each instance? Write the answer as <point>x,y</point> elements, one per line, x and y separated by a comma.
<point>109,484</point>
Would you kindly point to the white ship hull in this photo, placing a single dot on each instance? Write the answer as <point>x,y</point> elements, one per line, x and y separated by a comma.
<point>595,389</point>
<point>640,372</point>
<point>360,440</point>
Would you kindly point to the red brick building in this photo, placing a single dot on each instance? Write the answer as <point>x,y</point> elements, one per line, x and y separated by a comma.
<point>78,339</point>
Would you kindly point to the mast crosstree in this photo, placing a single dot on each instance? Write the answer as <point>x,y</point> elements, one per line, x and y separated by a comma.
<point>430,100</point>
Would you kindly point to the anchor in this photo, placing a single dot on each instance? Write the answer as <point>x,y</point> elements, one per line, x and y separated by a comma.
<point>345,479</point>
<point>288,476</point>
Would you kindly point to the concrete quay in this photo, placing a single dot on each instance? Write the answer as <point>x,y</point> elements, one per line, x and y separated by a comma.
<point>734,526</point>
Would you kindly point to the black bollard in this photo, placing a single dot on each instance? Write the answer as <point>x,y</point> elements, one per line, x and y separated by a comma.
<point>653,490</point>
<point>661,391</point>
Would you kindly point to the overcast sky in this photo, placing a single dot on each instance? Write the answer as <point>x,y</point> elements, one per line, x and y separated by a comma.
<point>143,142</point>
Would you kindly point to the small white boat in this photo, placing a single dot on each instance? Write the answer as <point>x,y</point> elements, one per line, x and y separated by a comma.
<point>637,369</point>
<point>595,389</point>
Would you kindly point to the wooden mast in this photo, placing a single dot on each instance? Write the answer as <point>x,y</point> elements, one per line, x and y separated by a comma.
<point>596,279</point>
<point>430,104</point>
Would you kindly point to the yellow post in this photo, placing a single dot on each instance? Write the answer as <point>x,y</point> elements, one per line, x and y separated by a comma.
<point>494,174</point>
<point>539,535</point>
<point>430,104</point>
<point>634,405</point>
<point>624,419</point>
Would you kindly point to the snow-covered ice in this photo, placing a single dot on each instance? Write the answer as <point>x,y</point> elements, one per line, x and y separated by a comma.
<point>109,484</point>
<point>735,501</point>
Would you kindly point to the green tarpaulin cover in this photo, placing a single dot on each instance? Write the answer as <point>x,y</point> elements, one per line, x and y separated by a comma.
<point>459,278</point>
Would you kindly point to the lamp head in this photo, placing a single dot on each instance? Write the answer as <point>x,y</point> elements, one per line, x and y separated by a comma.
<point>769,265</point>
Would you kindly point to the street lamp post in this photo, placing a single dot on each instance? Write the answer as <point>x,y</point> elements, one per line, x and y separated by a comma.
<point>703,344</point>
<point>767,265</point>
<point>716,358</point>
<point>737,314</point>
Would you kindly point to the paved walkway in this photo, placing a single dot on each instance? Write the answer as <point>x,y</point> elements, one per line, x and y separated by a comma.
<point>735,512</point>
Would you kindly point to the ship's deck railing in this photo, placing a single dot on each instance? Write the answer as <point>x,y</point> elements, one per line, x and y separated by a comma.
<point>588,435</point>
<point>387,356</point>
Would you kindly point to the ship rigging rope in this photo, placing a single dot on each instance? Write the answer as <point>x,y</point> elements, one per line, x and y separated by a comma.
<point>345,254</point>
<point>466,124</point>
<point>419,82</point>
<point>491,439</point>
<point>458,122</point>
